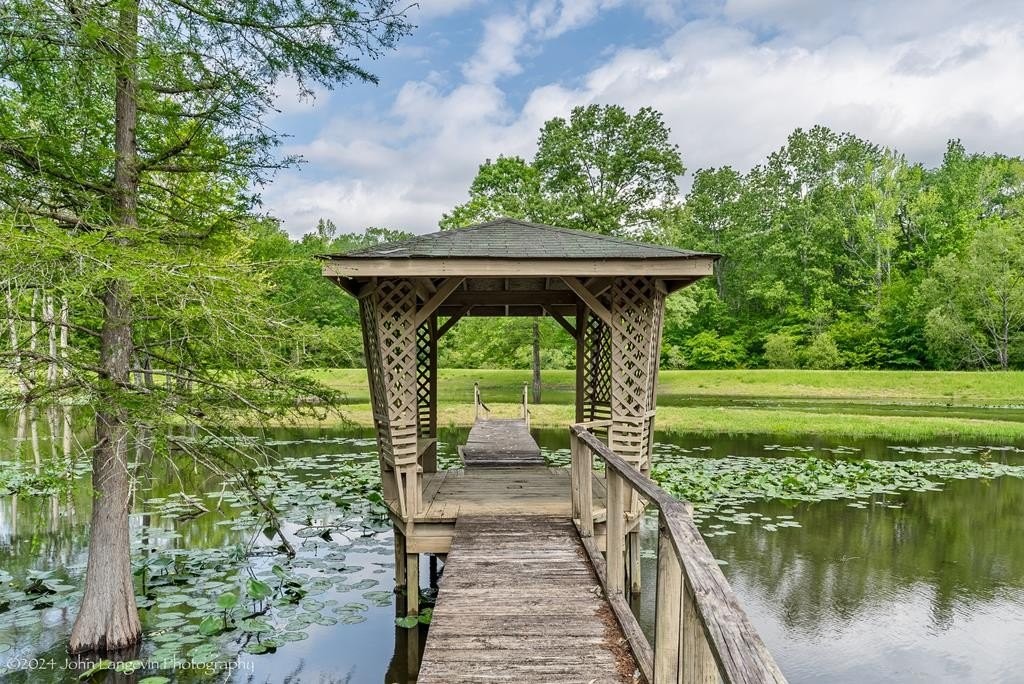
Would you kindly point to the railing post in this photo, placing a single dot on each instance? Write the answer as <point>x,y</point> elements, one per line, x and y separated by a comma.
<point>574,474</point>
<point>582,478</point>
<point>667,606</point>
<point>476,401</point>
<point>696,661</point>
<point>616,513</point>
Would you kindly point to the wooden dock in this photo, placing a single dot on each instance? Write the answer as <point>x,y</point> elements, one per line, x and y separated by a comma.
<point>520,602</point>
<point>539,566</point>
<point>500,442</point>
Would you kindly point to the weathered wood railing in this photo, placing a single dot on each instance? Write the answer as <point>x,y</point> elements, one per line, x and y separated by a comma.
<point>702,635</point>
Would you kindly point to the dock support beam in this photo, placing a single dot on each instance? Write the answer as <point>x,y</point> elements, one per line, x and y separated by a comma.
<point>412,584</point>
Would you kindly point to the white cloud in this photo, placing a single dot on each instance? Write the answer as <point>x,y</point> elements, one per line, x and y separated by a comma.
<point>497,54</point>
<point>730,95</point>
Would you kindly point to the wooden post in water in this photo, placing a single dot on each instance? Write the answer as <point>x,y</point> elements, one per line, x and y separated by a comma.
<point>412,584</point>
<point>401,578</point>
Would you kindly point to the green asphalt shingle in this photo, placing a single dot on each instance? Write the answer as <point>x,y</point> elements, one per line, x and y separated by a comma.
<point>507,238</point>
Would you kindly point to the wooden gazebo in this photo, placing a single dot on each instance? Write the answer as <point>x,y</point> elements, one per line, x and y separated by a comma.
<point>609,295</point>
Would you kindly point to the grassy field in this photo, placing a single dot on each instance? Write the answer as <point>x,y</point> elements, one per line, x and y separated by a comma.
<point>715,402</point>
<point>933,387</point>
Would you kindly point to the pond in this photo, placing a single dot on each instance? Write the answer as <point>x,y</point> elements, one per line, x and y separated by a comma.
<point>908,568</point>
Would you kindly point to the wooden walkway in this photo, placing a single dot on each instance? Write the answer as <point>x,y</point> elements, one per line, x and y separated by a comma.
<point>498,442</point>
<point>520,602</point>
<point>531,490</point>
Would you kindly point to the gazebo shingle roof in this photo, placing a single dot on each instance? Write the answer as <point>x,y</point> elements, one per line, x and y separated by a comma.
<point>507,238</point>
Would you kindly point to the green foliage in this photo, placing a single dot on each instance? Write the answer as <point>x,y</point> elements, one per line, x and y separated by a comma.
<point>604,170</point>
<point>608,171</point>
<point>780,350</point>
<point>835,235</point>
<point>822,353</point>
<point>505,343</point>
<point>323,320</point>
<point>977,298</point>
<point>508,187</point>
<point>707,349</point>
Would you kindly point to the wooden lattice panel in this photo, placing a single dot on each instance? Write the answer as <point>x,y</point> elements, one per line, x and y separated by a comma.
<point>396,340</point>
<point>636,306</point>
<point>425,362</point>
<point>597,369</point>
<point>375,378</point>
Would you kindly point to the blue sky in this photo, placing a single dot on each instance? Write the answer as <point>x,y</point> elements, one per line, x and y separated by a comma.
<point>732,77</point>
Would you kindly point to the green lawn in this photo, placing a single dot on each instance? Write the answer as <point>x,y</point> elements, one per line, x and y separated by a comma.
<point>935,387</point>
<point>835,403</point>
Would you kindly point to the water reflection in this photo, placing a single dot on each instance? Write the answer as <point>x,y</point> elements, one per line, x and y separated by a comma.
<point>932,590</point>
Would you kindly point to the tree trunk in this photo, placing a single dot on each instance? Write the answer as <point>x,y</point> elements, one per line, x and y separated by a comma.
<point>109,619</point>
<point>63,353</point>
<point>51,330</point>
<point>536,362</point>
<point>12,313</point>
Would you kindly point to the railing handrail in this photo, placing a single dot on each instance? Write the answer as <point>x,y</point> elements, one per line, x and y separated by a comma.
<point>738,650</point>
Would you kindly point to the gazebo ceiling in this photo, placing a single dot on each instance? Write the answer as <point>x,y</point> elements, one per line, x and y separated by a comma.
<point>508,267</point>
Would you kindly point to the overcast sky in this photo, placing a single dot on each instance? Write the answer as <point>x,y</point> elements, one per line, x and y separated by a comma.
<point>732,77</point>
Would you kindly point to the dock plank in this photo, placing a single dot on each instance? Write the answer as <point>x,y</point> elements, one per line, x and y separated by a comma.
<point>525,490</point>
<point>519,601</point>
<point>499,442</point>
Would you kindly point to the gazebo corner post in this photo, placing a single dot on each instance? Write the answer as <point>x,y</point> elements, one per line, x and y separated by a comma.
<point>389,317</point>
<point>636,307</point>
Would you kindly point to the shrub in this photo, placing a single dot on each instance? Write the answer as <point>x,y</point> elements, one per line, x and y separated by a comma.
<point>780,351</point>
<point>822,353</point>
<point>708,350</point>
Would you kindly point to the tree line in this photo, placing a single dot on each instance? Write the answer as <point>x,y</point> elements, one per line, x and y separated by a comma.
<point>836,252</point>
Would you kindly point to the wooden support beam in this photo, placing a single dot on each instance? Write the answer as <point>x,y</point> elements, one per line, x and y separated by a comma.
<point>348,285</point>
<point>412,586</point>
<point>592,302</point>
<point>438,298</point>
<point>511,298</point>
<point>562,321</point>
<point>598,285</point>
<point>452,320</point>
<point>367,288</point>
<point>495,267</point>
<point>533,311</point>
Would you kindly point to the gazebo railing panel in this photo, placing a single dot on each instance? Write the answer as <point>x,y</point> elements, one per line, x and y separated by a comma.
<point>702,635</point>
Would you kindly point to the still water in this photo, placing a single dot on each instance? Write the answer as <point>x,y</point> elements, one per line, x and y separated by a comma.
<point>918,586</point>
